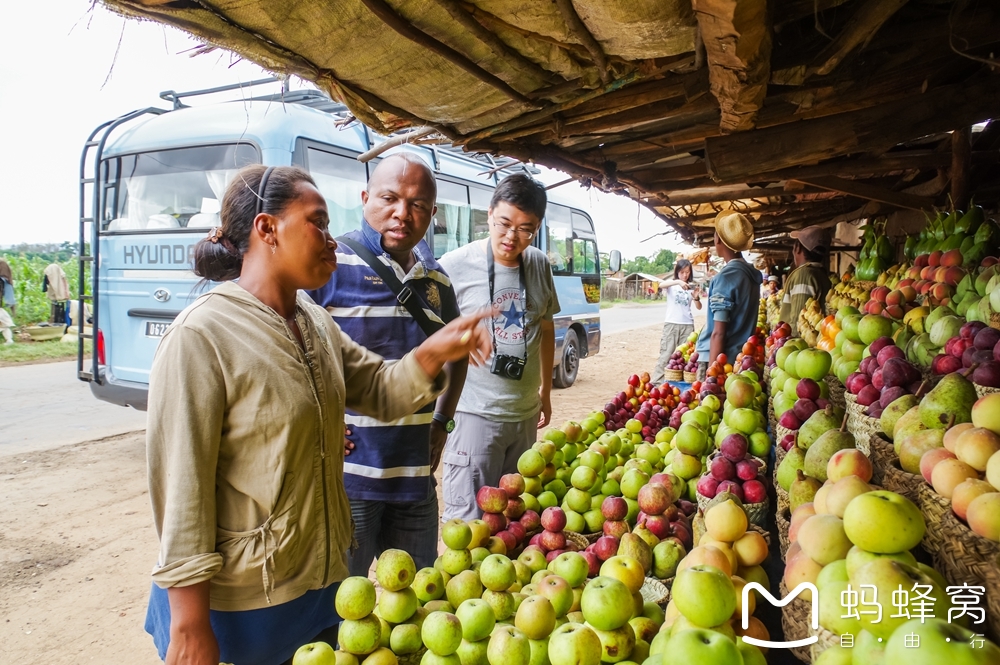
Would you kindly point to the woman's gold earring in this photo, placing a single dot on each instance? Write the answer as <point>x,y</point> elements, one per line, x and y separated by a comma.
<point>273,247</point>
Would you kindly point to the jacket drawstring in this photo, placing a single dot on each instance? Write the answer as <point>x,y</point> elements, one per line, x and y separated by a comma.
<point>268,541</point>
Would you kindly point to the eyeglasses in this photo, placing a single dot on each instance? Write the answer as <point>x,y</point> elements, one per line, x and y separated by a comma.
<point>507,229</point>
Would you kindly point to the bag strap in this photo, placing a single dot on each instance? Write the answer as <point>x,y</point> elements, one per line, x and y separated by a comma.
<point>404,295</point>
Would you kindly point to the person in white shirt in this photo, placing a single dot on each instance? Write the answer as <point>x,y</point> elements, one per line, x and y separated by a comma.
<point>679,322</point>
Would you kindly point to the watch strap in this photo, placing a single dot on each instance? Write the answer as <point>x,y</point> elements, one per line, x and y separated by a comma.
<point>448,423</point>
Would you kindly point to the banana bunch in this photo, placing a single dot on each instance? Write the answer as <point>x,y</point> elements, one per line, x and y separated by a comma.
<point>809,321</point>
<point>847,294</point>
<point>772,307</point>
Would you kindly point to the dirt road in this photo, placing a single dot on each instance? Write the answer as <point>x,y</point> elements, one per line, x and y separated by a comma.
<point>77,544</point>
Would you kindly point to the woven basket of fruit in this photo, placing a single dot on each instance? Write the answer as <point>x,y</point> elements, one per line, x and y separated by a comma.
<point>673,374</point>
<point>933,506</point>
<point>881,454</point>
<point>827,640</point>
<point>972,559</point>
<point>836,391</point>
<point>655,591</point>
<point>577,539</point>
<point>781,432</point>
<point>983,391</point>
<point>796,621</point>
<point>995,320</point>
<point>782,519</point>
<point>896,480</point>
<point>689,377</point>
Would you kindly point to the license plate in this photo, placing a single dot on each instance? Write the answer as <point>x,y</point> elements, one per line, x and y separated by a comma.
<point>156,328</point>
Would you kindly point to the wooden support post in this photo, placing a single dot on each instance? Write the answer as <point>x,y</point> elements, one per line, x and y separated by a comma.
<point>961,166</point>
<point>862,26</point>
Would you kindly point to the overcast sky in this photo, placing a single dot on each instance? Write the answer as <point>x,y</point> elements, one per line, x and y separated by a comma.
<point>65,68</point>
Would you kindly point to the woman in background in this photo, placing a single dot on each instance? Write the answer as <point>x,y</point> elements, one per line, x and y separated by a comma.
<point>679,322</point>
<point>6,300</point>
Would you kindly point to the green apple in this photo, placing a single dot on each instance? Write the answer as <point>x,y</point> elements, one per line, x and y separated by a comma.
<point>547,499</point>
<point>666,556</point>
<point>456,534</point>
<point>355,598</point>
<point>455,561</point>
<point>858,557</point>
<point>574,644</point>
<point>539,651</point>
<point>476,618</point>
<point>502,603</point>
<point>463,586</point>
<point>644,627</point>
<point>751,653</point>
<point>442,633</point>
<point>360,637</point>
<point>607,603</point>
<point>535,617</point>
<point>632,482</point>
<point>940,642</point>
<point>831,608</point>
<point>344,658</point>
<point>405,639</point>
<point>704,647</point>
<point>397,606</point>
<point>497,572</point>
<point>887,576</point>
<point>691,438</point>
<point>832,655</point>
<point>760,444</point>
<point>428,584</point>
<point>316,653</point>
<point>395,570</point>
<point>616,645</point>
<point>508,646</point>
<point>575,521</point>
<point>576,499</point>
<point>474,653</point>
<point>381,656</point>
<point>883,522</point>
<point>558,592</point>
<point>530,464</point>
<point>534,559</point>
<point>431,658</point>
<point>705,595</point>
<point>571,566</point>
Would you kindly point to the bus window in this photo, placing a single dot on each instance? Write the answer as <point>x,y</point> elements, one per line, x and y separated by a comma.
<point>340,180</point>
<point>584,257</point>
<point>452,220</point>
<point>171,189</point>
<point>480,199</point>
<point>560,239</point>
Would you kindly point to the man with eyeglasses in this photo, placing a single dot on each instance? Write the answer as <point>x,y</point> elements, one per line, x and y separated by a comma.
<point>505,402</point>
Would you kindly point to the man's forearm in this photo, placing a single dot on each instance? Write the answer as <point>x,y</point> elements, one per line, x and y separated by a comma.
<point>456,371</point>
<point>717,343</point>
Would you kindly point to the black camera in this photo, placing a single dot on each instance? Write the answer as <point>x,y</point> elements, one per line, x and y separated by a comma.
<point>509,367</point>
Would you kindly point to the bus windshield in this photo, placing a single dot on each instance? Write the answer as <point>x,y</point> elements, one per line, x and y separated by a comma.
<point>170,189</point>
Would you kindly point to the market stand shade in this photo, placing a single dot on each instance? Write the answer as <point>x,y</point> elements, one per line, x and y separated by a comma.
<point>804,111</point>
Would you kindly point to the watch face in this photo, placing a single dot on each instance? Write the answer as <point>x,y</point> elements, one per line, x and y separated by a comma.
<point>449,426</point>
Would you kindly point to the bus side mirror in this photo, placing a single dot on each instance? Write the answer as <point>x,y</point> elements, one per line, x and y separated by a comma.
<point>615,261</point>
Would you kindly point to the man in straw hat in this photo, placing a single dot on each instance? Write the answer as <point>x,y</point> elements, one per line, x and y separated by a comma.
<point>810,278</point>
<point>733,295</point>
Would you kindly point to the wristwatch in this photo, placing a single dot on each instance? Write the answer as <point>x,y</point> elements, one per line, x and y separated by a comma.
<point>446,422</point>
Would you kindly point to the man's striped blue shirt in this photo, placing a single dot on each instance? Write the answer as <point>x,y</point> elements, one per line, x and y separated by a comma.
<point>390,460</point>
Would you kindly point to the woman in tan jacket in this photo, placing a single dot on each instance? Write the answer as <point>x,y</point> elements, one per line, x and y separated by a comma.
<point>246,429</point>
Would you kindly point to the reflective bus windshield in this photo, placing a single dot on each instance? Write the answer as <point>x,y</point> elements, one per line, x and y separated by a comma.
<point>170,189</point>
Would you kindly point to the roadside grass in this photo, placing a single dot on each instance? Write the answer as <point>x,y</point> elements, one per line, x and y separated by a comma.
<point>605,304</point>
<point>33,352</point>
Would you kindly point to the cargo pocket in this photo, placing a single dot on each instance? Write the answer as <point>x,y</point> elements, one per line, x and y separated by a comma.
<point>459,483</point>
<point>264,556</point>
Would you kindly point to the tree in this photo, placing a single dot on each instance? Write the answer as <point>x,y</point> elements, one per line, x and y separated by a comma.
<point>662,262</point>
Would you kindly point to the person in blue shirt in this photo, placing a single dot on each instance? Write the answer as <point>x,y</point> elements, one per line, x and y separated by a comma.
<point>733,294</point>
<point>388,474</point>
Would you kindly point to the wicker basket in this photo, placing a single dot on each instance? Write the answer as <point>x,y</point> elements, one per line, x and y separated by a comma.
<point>780,433</point>
<point>783,518</point>
<point>689,377</point>
<point>896,480</point>
<point>655,591</point>
<point>983,391</point>
<point>577,539</point>
<point>673,375</point>
<point>592,537</point>
<point>836,391</point>
<point>861,425</point>
<point>782,497</point>
<point>795,620</point>
<point>970,558</point>
<point>882,454</point>
<point>994,321</point>
<point>827,640</point>
<point>933,506</point>
<point>779,454</point>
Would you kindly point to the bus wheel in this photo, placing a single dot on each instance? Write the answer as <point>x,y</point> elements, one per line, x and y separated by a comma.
<point>565,373</point>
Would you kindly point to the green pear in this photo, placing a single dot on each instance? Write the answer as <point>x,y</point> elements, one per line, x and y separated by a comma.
<point>820,422</point>
<point>803,490</point>
<point>793,462</point>
<point>894,412</point>
<point>819,453</point>
<point>949,403</point>
<point>907,425</point>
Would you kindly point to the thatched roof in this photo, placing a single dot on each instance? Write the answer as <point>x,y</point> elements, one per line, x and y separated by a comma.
<point>799,111</point>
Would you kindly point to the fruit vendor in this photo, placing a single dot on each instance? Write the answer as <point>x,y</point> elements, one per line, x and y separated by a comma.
<point>503,403</point>
<point>6,300</point>
<point>733,294</point>
<point>388,476</point>
<point>246,428</point>
<point>810,277</point>
<point>679,322</point>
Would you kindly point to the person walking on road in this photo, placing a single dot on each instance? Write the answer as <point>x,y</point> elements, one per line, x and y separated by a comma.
<point>246,428</point>
<point>733,294</point>
<point>7,300</point>
<point>679,322</point>
<point>503,404</point>
<point>388,476</point>
<point>810,278</point>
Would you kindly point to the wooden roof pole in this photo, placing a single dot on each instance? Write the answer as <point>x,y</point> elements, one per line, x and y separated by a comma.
<point>865,23</point>
<point>389,16</point>
<point>495,44</point>
<point>580,31</point>
<point>864,190</point>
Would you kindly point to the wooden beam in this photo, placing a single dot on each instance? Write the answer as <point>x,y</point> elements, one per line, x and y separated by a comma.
<point>580,31</point>
<point>862,26</point>
<point>495,44</point>
<point>864,190</point>
<point>404,28</point>
<point>737,38</point>
<point>716,195</point>
<point>875,129</point>
<point>961,166</point>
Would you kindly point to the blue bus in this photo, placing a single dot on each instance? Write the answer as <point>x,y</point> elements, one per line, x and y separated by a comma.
<point>151,183</point>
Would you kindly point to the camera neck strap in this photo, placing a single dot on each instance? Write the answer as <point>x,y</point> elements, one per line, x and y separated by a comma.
<point>522,286</point>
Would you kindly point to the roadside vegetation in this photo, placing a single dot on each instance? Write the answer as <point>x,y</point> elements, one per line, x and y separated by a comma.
<point>28,263</point>
<point>33,352</point>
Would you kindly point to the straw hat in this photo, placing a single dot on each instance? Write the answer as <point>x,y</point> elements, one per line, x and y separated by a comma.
<point>735,230</point>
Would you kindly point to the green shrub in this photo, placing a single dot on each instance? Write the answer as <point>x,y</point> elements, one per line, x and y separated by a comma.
<point>28,268</point>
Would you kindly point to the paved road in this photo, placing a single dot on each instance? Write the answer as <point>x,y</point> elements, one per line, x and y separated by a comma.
<point>621,318</point>
<point>44,406</point>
